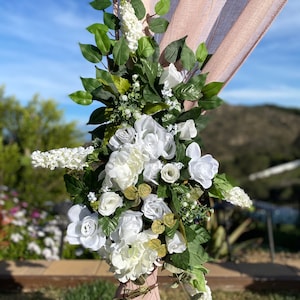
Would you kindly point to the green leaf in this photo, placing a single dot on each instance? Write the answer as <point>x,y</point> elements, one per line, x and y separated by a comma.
<point>220,185</point>
<point>150,69</point>
<point>90,84</point>
<point>111,21</point>
<point>201,53</point>
<point>212,89</point>
<point>211,103</point>
<point>162,191</point>
<point>121,84</point>
<point>173,50</point>
<point>153,108</point>
<point>121,51</point>
<point>81,97</point>
<point>97,26</point>
<point>104,76</point>
<point>193,113</point>
<point>108,224</point>
<point>162,7</point>
<point>175,201</point>
<point>150,96</point>
<point>100,4</point>
<point>102,41</point>
<point>74,186</point>
<point>145,48</point>
<point>158,25</point>
<point>90,53</point>
<point>139,8</point>
<point>170,232</point>
<point>187,91</point>
<point>98,132</point>
<point>99,116</point>
<point>187,58</point>
<point>103,95</point>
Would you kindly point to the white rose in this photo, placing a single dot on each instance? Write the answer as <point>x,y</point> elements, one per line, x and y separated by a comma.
<point>108,203</point>
<point>154,138</point>
<point>84,228</point>
<point>170,77</point>
<point>129,225</point>
<point>123,167</point>
<point>187,130</point>
<point>122,136</point>
<point>201,168</point>
<point>154,208</point>
<point>237,196</point>
<point>170,173</point>
<point>151,171</point>
<point>176,244</point>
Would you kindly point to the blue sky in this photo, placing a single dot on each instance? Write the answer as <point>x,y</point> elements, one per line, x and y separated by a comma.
<point>39,54</point>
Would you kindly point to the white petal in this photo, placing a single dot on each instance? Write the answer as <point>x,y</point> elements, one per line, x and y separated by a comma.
<point>193,151</point>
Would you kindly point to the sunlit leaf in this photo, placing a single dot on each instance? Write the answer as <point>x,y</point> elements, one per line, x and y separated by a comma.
<point>100,4</point>
<point>90,53</point>
<point>90,84</point>
<point>121,84</point>
<point>201,53</point>
<point>97,26</point>
<point>82,97</point>
<point>145,48</point>
<point>151,109</point>
<point>162,7</point>
<point>102,41</point>
<point>121,52</point>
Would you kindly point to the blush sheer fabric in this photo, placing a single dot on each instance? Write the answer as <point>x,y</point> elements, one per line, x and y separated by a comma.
<point>231,29</point>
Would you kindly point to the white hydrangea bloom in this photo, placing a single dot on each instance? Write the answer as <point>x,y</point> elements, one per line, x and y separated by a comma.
<point>70,158</point>
<point>237,196</point>
<point>16,237</point>
<point>131,27</point>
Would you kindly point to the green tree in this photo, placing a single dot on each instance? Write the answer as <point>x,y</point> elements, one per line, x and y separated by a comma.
<point>38,125</point>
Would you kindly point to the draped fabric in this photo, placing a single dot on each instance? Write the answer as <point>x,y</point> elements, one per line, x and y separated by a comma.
<point>230,28</point>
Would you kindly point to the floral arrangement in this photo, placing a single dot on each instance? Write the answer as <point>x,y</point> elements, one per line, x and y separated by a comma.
<point>141,188</point>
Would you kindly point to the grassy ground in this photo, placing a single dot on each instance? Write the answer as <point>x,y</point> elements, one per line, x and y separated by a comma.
<point>105,291</point>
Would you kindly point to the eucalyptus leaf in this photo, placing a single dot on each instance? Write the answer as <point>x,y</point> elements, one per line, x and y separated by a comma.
<point>187,58</point>
<point>162,7</point>
<point>121,52</point>
<point>82,97</point>
<point>111,21</point>
<point>139,8</point>
<point>158,25</point>
<point>90,84</point>
<point>102,41</point>
<point>173,50</point>
<point>90,53</point>
<point>145,48</point>
<point>100,4</point>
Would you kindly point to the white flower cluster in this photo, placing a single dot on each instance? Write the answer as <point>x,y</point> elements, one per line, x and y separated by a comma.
<point>70,158</point>
<point>146,150</point>
<point>237,196</point>
<point>131,27</point>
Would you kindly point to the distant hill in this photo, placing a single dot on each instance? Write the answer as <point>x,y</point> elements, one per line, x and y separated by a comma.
<point>250,139</point>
